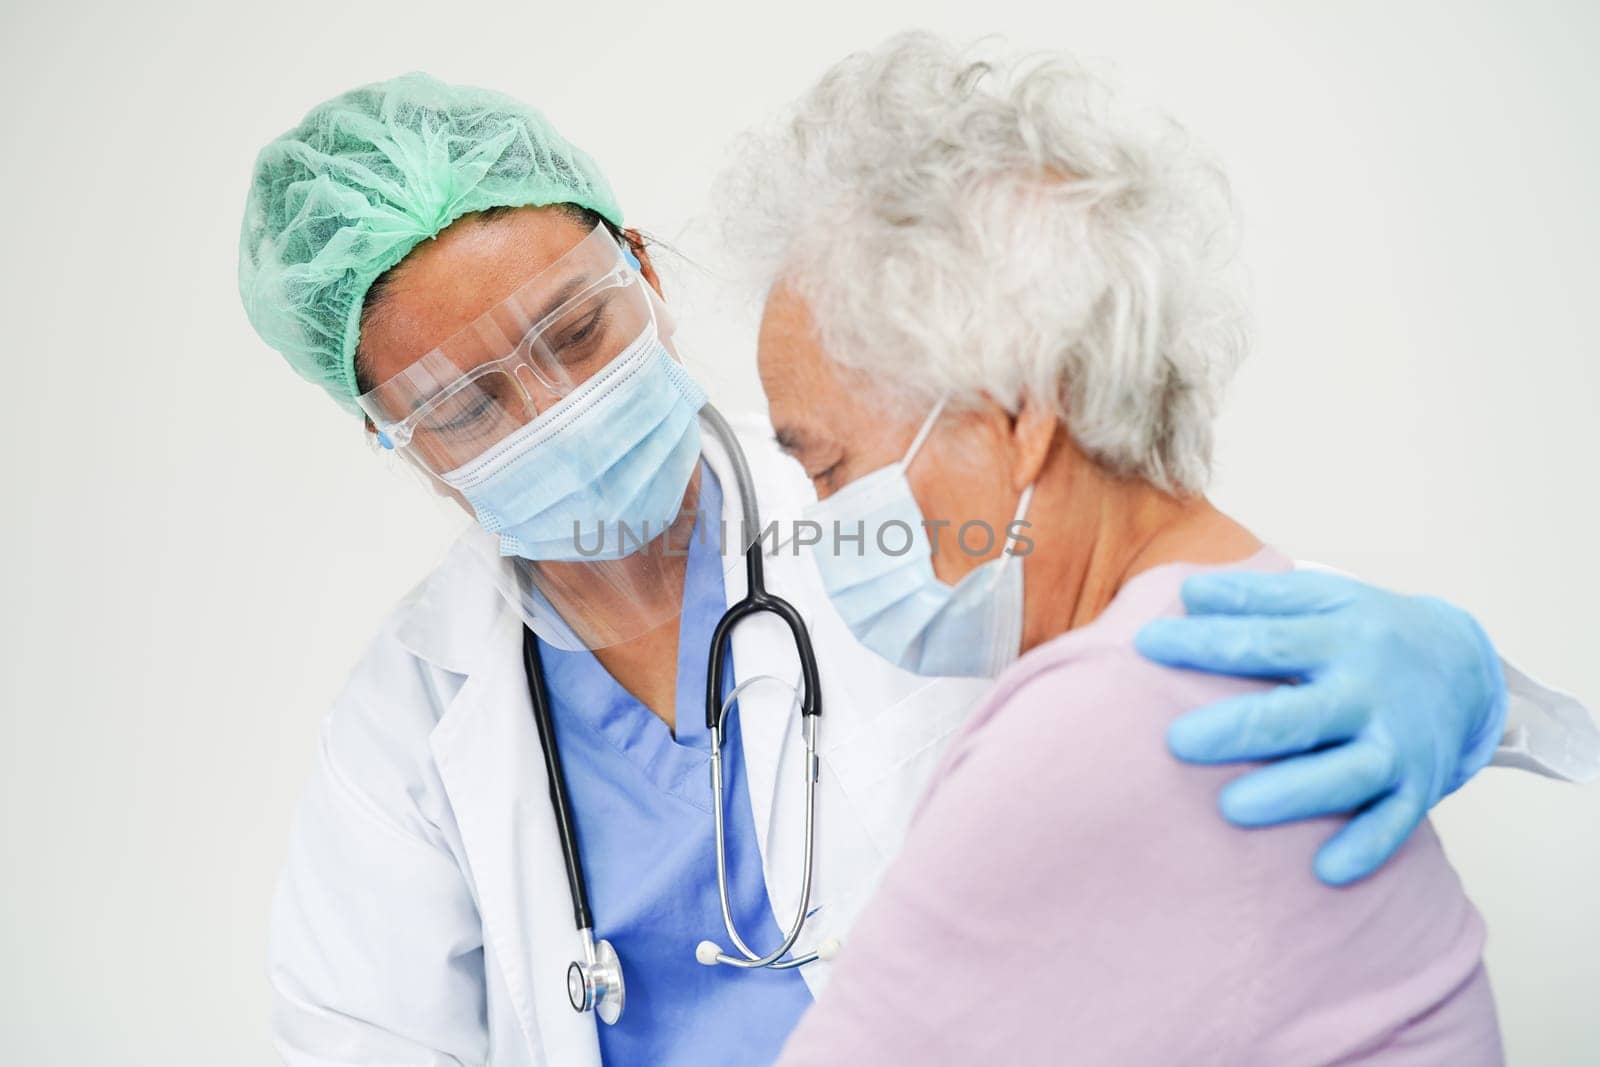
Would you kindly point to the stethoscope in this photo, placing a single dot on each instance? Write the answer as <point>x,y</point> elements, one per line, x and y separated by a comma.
<point>594,983</point>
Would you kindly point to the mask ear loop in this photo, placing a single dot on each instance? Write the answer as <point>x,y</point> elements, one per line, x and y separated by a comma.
<point>923,432</point>
<point>1022,509</point>
<point>916,446</point>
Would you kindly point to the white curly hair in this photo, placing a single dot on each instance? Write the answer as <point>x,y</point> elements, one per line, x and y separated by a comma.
<point>970,227</point>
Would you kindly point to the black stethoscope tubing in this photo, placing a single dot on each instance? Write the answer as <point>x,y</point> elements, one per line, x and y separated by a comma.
<point>560,804</point>
<point>756,601</point>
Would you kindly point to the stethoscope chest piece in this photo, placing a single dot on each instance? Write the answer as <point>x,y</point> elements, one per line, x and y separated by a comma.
<point>595,983</point>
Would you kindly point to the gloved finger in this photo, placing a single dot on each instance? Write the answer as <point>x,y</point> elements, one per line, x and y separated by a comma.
<point>1253,646</point>
<point>1256,593</point>
<point>1330,782</point>
<point>1370,839</point>
<point>1257,726</point>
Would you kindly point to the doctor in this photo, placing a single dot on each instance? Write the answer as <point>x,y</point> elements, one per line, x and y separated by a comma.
<point>442,262</point>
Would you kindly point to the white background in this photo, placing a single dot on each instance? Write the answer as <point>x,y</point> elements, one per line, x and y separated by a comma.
<point>197,545</point>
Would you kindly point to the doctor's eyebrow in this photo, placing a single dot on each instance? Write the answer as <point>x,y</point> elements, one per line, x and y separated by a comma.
<point>553,302</point>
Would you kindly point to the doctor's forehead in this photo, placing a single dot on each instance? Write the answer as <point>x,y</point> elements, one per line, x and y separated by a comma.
<point>446,284</point>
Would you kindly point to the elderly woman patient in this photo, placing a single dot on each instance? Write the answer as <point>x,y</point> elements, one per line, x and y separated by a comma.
<point>998,326</point>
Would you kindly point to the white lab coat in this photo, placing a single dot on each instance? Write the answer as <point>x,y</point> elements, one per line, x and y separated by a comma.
<point>423,915</point>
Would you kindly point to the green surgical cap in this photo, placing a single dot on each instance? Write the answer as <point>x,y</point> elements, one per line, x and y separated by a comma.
<point>363,180</point>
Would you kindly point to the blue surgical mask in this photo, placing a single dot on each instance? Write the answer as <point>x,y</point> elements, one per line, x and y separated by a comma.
<point>894,603</point>
<point>600,472</point>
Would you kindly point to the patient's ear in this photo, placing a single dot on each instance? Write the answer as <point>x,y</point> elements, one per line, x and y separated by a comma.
<point>1033,429</point>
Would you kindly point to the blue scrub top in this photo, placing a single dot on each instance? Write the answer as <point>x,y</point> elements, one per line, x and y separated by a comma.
<point>641,800</point>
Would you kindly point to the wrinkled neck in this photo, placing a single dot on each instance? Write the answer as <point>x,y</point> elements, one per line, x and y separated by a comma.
<point>1092,532</point>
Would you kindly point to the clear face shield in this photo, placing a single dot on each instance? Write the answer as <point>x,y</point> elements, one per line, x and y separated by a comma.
<point>562,420</point>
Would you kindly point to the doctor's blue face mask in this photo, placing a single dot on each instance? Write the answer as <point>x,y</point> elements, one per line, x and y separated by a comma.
<point>895,603</point>
<point>560,416</point>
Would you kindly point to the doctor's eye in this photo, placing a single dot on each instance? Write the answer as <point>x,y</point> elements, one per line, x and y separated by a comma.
<point>472,410</point>
<point>579,338</point>
<point>583,330</point>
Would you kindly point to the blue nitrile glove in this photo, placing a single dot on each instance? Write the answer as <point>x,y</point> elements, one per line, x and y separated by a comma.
<point>1401,701</point>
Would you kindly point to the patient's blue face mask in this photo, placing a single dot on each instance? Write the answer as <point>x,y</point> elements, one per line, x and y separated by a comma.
<point>598,474</point>
<point>894,603</point>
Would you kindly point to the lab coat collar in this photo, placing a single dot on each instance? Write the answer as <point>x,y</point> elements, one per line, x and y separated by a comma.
<point>447,619</point>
